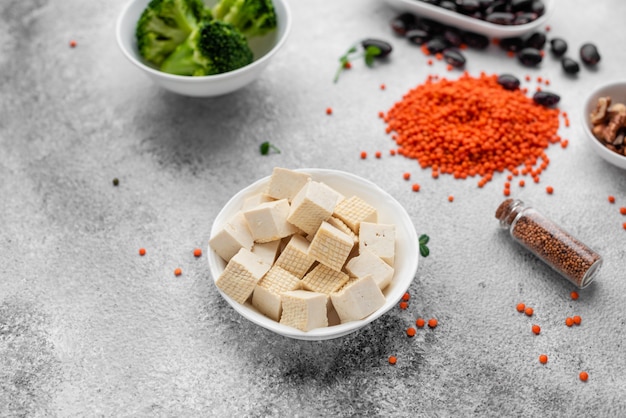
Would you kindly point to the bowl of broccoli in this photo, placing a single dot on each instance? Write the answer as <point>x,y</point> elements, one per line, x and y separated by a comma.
<point>202,48</point>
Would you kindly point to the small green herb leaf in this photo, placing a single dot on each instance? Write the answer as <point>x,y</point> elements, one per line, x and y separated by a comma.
<point>423,241</point>
<point>266,147</point>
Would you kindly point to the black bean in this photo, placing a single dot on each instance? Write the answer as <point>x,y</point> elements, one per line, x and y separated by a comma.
<point>475,40</point>
<point>521,5</point>
<point>436,45</point>
<point>403,23</point>
<point>418,36</point>
<point>500,18</point>
<point>570,66</point>
<point>454,57</point>
<point>509,81</point>
<point>453,36</point>
<point>511,44</point>
<point>431,26</point>
<point>385,47</point>
<point>537,40</point>
<point>589,54</point>
<point>558,46</point>
<point>546,98</point>
<point>529,57</point>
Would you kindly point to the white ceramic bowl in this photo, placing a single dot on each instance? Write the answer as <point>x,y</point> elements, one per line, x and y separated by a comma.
<point>264,48</point>
<point>389,211</point>
<point>617,91</point>
<point>467,23</point>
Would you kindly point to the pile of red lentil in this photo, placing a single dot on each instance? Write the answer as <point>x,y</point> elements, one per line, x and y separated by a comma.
<point>472,126</point>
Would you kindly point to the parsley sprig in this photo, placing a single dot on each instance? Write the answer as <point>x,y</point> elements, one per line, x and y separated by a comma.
<point>368,54</point>
<point>266,147</point>
<point>423,240</point>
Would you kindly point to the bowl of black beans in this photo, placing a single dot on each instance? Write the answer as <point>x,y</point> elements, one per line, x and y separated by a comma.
<point>491,18</point>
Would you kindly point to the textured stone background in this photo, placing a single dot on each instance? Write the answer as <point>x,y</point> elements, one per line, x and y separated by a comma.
<point>89,328</point>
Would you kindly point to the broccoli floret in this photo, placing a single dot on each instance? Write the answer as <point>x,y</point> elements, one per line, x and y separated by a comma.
<point>214,48</point>
<point>250,17</point>
<point>165,24</point>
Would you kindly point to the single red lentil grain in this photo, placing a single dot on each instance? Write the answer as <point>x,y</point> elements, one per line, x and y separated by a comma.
<point>622,210</point>
<point>611,199</point>
<point>363,155</point>
<point>430,62</point>
<point>178,272</point>
<point>142,252</point>
<point>432,323</point>
<point>73,44</point>
<point>522,183</point>
<point>403,305</point>
<point>569,321</point>
<point>420,322</point>
<point>415,187</point>
<point>378,154</point>
<point>406,296</point>
<point>624,225</point>
<point>383,87</point>
<point>392,152</point>
<point>410,332</point>
<point>584,376</point>
<point>197,252</point>
<point>577,319</point>
<point>393,360</point>
<point>450,198</point>
<point>549,190</point>
<point>406,175</point>
<point>536,329</point>
<point>329,110</point>
<point>347,65</point>
<point>529,311</point>
<point>520,307</point>
<point>543,359</point>
<point>574,295</point>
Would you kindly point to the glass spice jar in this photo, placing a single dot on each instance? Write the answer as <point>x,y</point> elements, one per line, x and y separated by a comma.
<point>564,253</point>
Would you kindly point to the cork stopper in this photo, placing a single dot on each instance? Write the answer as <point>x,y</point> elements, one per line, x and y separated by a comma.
<point>507,211</point>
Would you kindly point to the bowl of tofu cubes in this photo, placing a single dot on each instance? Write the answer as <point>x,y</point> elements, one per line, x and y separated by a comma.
<point>313,254</point>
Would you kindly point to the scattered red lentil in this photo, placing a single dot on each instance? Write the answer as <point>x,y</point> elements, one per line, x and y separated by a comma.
<point>378,154</point>
<point>393,359</point>
<point>527,78</point>
<point>536,329</point>
<point>520,307</point>
<point>543,359</point>
<point>406,176</point>
<point>383,87</point>
<point>569,321</point>
<point>142,252</point>
<point>584,376</point>
<point>363,155</point>
<point>624,225</point>
<point>178,272</point>
<point>415,187</point>
<point>577,319</point>
<point>611,199</point>
<point>420,322</point>
<point>347,65</point>
<point>329,110</point>
<point>432,323</point>
<point>392,152</point>
<point>450,198</point>
<point>549,189</point>
<point>529,311</point>
<point>73,44</point>
<point>564,143</point>
<point>406,296</point>
<point>410,332</point>
<point>622,210</point>
<point>574,295</point>
<point>403,305</point>
<point>197,252</point>
<point>451,125</point>
<point>510,54</point>
<point>449,67</point>
<point>430,62</point>
<point>522,183</point>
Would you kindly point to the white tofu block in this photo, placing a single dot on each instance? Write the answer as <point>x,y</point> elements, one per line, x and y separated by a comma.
<point>242,273</point>
<point>233,236</point>
<point>268,251</point>
<point>367,263</point>
<point>341,225</point>
<point>255,200</point>
<point>267,293</point>
<point>323,279</point>
<point>313,204</point>
<point>354,210</point>
<point>330,246</point>
<point>285,183</point>
<point>268,221</point>
<point>379,239</point>
<point>358,299</point>
<point>304,310</point>
<point>295,256</point>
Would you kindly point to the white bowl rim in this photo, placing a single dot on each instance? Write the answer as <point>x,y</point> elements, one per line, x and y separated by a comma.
<point>588,105</point>
<point>335,331</point>
<point>200,79</point>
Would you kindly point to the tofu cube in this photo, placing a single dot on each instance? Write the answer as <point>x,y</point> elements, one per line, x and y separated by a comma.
<point>304,310</point>
<point>354,210</point>
<point>242,273</point>
<point>323,279</point>
<point>379,239</point>
<point>330,246</point>
<point>341,225</point>
<point>367,263</point>
<point>255,200</point>
<point>313,204</point>
<point>295,257</point>
<point>285,183</point>
<point>268,221</point>
<point>268,251</point>
<point>233,236</point>
<point>267,293</point>
<point>358,299</point>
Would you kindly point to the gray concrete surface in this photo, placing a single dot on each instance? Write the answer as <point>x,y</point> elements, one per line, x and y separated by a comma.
<point>89,328</point>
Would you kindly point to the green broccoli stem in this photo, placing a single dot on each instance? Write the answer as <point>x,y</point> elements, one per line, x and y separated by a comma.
<point>181,61</point>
